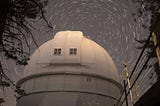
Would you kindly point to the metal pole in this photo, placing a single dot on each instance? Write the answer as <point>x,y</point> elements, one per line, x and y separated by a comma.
<point>136,89</point>
<point>128,81</point>
<point>155,40</point>
<point>125,93</point>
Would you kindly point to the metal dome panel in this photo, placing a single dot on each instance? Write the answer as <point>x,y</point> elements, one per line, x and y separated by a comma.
<point>91,57</point>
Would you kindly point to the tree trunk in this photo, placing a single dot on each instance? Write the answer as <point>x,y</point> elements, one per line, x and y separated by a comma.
<point>4,4</point>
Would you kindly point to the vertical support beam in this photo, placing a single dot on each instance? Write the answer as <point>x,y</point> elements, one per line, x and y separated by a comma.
<point>136,89</point>
<point>125,93</point>
<point>128,81</point>
<point>155,41</point>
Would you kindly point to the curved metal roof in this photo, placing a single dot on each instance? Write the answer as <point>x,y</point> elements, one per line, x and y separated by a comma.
<point>89,58</point>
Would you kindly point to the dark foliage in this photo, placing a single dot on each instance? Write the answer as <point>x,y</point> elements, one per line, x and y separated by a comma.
<point>15,28</point>
<point>151,7</point>
<point>149,46</point>
<point>2,100</point>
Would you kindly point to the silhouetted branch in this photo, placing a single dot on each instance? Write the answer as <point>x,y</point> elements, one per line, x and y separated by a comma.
<point>15,28</point>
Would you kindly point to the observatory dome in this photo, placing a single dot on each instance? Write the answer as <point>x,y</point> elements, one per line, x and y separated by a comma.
<point>70,70</point>
<point>77,54</point>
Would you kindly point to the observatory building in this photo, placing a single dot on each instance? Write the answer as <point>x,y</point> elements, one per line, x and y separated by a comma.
<point>70,70</point>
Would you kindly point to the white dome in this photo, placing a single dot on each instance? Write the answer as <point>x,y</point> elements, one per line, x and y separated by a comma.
<point>70,70</point>
<point>89,57</point>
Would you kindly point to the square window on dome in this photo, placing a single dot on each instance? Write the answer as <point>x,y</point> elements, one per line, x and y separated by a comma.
<point>57,51</point>
<point>73,51</point>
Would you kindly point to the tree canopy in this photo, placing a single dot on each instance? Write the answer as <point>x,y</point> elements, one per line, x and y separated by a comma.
<point>15,27</point>
<point>151,8</point>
